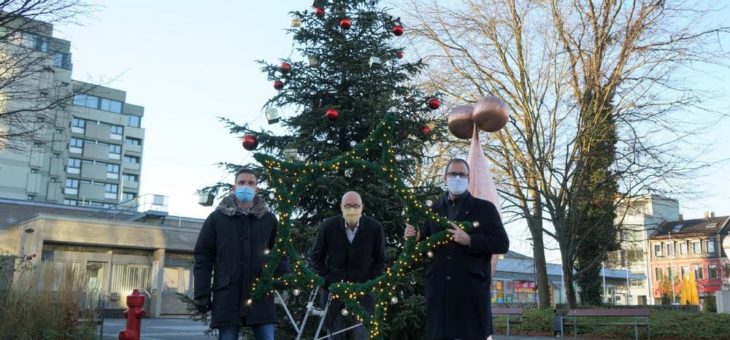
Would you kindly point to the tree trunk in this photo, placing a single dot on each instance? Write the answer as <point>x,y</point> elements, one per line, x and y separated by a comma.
<point>538,254</point>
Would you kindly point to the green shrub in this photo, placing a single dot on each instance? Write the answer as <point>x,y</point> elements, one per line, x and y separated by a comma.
<point>682,325</point>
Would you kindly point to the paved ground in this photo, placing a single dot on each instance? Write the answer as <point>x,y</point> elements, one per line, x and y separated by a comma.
<point>185,329</point>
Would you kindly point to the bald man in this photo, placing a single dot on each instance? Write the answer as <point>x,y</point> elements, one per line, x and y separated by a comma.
<point>350,247</point>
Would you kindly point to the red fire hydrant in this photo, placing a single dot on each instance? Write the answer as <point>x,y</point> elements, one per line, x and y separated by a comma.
<point>134,315</point>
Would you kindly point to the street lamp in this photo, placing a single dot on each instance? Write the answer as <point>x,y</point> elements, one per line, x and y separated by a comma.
<point>671,266</point>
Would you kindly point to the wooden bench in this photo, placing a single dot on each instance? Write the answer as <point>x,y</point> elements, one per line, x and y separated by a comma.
<point>617,316</point>
<point>514,316</point>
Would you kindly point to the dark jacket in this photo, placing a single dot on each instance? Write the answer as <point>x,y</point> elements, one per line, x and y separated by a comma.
<point>232,246</point>
<point>335,259</point>
<point>458,279</point>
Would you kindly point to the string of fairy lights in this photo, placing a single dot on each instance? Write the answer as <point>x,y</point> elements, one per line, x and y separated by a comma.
<point>288,180</point>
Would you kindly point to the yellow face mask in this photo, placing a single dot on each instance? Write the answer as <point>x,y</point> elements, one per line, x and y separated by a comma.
<point>352,215</point>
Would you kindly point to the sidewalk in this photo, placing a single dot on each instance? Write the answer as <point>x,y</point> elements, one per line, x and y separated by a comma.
<point>186,329</point>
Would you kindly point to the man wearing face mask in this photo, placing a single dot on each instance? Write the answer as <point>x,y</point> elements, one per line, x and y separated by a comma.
<point>232,250</point>
<point>349,247</point>
<point>458,275</point>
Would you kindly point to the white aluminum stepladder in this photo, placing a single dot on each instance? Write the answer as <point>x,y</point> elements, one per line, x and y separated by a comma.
<point>314,311</point>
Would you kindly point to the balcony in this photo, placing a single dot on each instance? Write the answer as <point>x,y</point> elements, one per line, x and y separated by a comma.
<point>96,151</point>
<point>93,171</point>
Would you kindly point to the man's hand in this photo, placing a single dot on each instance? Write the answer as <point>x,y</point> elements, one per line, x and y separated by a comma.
<point>203,304</point>
<point>410,232</point>
<point>459,235</point>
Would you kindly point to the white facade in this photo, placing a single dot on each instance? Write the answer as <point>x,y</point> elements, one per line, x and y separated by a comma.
<point>638,219</point>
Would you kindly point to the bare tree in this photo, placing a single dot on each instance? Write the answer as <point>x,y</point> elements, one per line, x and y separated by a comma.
<point>594,89</point>
<point>29,96</point>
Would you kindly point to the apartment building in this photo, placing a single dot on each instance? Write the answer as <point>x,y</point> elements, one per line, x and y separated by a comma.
<point>690,247</point>
<point>638,219</point>
<point>85,151</point>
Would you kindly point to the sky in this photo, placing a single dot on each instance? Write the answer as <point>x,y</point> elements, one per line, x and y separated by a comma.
<point>188,64</point>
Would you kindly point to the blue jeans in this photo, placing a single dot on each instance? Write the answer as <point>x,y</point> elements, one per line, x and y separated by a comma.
<point>260,332</point>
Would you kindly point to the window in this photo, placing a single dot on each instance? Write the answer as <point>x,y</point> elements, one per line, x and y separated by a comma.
<point>112,171</point>
<point>683,248</point>
<point>712,271</point>
<point>670,249</point>
<point>658,274</point>
<point>117,130</point>
<point>110,191</point>
<point>71,202</point>
<point>73,166</point>
<point>34,41</point>
<point>112,168</point>
<point>658,250</point>
<point>698,272</point>
<point>134,121</point>
<point>134,141</point>
<point>76,142</point>
<point>86,101</point>
<point>78,125</point>
<point>710,244</point>
<point>71,187</point>
<point>111,105</point>
<point>111,188</point>
<point>109,206</point>
<point>115,151</point>
<point>131,159</point>
<point>684,271</point>
<point>76,145</point>
<point>62,60</point>
<point>129,196</point>
<point>696,248</point>
<point>130,178</point>
<point>670,272</point>
<point>98,103</point>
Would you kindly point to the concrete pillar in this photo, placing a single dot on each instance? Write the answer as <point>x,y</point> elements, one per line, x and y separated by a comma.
<point>157,283</point>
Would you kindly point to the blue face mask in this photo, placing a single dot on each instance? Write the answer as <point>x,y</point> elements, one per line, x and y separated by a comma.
<point>245,194</point>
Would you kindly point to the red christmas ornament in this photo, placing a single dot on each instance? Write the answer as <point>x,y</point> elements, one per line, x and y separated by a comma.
<point>400,54</point>
<point>278,84</point>
<point>319,11</point>
<point>332,114</point>
<point>285,67</point>
<point>345,23</point>
<point>398,30</point>
<point>426,130</point>
<point>250,142</point>
<point>434,103</point>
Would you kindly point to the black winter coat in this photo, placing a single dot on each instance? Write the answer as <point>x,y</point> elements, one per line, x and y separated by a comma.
<point>458,278</point>
<point>335,259</point>
<point>231,249</point>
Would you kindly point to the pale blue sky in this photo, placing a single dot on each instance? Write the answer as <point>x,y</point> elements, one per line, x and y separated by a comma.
<point>188,63</point>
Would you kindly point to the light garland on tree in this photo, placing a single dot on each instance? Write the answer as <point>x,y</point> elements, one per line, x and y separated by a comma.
<point>300,275</point>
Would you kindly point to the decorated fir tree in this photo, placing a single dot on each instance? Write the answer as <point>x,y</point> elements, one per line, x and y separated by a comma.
<point>359,125</point>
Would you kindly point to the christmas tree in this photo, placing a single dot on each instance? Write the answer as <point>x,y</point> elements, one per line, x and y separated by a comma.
<point>359,126</point>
